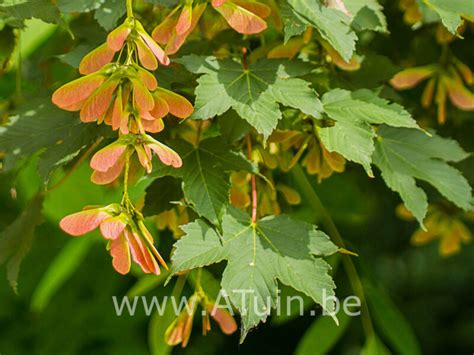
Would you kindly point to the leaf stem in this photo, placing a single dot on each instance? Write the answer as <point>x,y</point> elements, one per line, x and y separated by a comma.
<point>244,58</point>
<point>198,133</point>
<point>129,8</point>
<point>331,228</point>
<point>254,183</point>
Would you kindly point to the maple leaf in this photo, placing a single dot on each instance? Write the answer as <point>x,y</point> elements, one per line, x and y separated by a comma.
<point>451,12</point>
<point>205,174</point>
<point>254,93</point>
<point>404,155</point>
<point>354,112</point>
<point>333,25</point>
<point>276,247</point>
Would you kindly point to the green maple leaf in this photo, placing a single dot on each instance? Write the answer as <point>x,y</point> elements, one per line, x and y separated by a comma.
<point>276,247</point>
<point>404,155</point>
<point>254,93</point>
<point>40,127</point>
<point>451,12</point>
<point>333,25</point>
<point>107,12</point>
<point>367,14</point>
<point>26,9</point>
<point>354,112</point>
<point>294,25</point>
<point>205,174</point>
<point>17,238</point>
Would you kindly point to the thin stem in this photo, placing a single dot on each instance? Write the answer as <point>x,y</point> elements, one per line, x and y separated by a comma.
<point>299,153</point>
<point>19,93</point>
<point>331,228</point>
<point>129,59</point>
<point>125,177</point>
<point>199,277</point>
<point>254,183</point>
<point>129,8</point>
<point>198,133</point>
<point>244,58</point>
<point>198,284</point>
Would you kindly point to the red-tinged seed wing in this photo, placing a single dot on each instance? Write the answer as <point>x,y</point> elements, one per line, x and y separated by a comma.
<point>287,50</point>
<point>162,33</point>
<point>106,177</point>
<point>167,155</point>
<point>117,37</point>
<point>240,19</point>
<point>160,108</point>
<point>107,157</point>
<point>178,105</point>
<point>352,65</point>
<point>120,252</point>
<point>112,227</point>
<point>440,100</point>
<point>155,48</point>
<point>75,92</point>
<point>154,126</point>
<point>141,255</point>
<point>124,123</point>
<point>176,41</point>
<point>145,55</point>
<point>142,97</point>
<point>144,158</point>
<point>184,19</point>
<point>257,8</point>
<point>83,222</point>
<point>174,333</point>
<point>223,318</point>
<point>428,93</point>
<point>188,326</point>
<point>147,78</point>
<point>458,94</point>
<point>96,59</point>
<point>99,102</point>
<point>117,111</point>
<point>75,107</point>
<point>409,78</point>
<point>149,239</point>
<point>107,117</point>
<point>146,116</point>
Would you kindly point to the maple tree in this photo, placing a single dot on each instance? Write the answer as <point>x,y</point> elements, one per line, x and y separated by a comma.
<point>231,107</point>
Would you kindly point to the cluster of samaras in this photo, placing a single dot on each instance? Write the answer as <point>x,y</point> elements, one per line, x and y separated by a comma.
<point>126,96</point>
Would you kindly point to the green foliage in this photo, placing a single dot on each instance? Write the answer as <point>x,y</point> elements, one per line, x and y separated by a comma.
<point>17,238</point>
<point>161,194</point>
<point>352,135</point>
<point>205,175</point>
<point>257,255</point>
<point>404,155</point>
<point>368,15</point>
<point>451,11</point>
<point>322,335</point>
<point>107,12</point>
<point>254,93</point>
<point>391,322</point>
<point>61,268</point>
<point>41,128</point>
<point>333,25</point>
<point>26,9</point>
